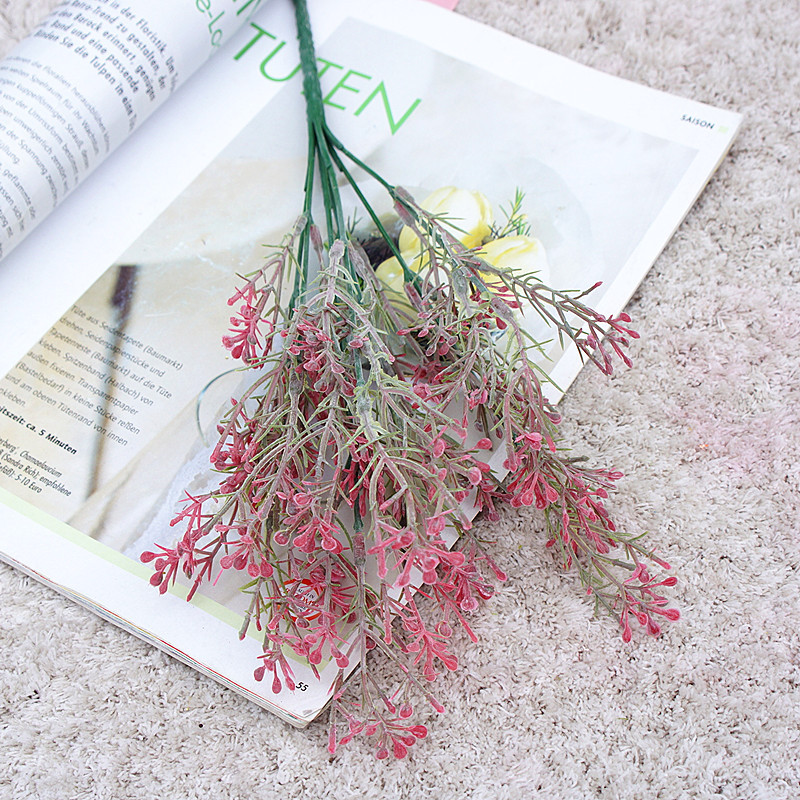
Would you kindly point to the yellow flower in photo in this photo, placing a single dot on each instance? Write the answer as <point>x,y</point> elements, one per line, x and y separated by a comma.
<point>524,255</point>
<point>390,273</point>
<point>467,216</point>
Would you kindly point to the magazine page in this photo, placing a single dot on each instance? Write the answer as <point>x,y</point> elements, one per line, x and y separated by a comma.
<point>88,76</point>
<point>113,386</point>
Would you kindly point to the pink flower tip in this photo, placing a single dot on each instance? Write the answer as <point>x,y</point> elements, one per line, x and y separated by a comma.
<point>437,706</point>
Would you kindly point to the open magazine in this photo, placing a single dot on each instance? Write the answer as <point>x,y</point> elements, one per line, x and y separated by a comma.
<point>113,366</point>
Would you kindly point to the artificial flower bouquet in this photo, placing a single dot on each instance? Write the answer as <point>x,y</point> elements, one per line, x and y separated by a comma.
<point>398,387</point>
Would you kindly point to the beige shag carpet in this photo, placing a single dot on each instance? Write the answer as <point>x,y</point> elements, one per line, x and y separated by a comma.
<point>550,703</point>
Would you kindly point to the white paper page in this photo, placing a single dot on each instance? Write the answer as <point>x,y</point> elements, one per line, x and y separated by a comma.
<point>83,81</point>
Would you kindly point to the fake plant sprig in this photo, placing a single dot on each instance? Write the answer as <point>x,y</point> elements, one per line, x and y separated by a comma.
<point>349,465</point>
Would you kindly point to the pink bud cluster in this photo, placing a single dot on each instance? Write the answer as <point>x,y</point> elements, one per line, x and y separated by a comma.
<point>347,466</point>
